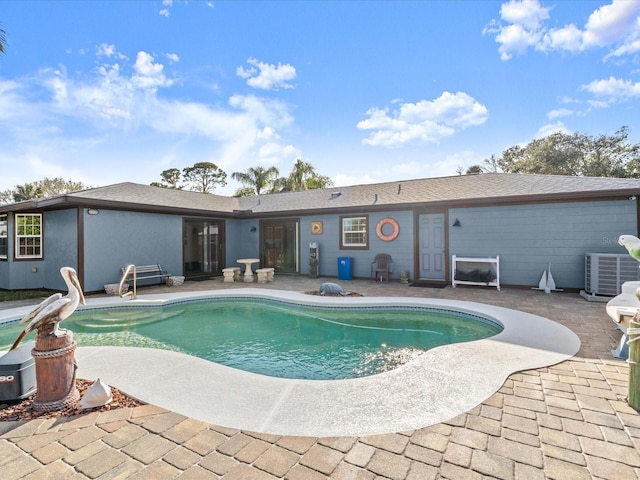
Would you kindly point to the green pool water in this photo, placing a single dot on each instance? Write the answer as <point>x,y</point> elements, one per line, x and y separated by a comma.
<point>276,338</point>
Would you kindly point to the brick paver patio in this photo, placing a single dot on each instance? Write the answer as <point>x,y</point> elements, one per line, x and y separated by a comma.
<point>567,421</point>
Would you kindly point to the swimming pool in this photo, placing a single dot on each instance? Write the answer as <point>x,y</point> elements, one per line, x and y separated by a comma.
<point>278,338</point>
<point>436,386</point>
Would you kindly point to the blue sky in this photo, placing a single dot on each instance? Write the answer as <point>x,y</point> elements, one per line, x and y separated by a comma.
<point>105,92</point>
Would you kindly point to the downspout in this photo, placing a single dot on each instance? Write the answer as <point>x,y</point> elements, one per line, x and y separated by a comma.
<point>80,245</point>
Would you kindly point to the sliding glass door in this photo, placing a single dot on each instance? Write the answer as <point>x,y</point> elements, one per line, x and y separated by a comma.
<point>203,247</point>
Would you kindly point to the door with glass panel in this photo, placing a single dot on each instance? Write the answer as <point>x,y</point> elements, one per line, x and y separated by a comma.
<point>280,248</point>
<point>203,247</point>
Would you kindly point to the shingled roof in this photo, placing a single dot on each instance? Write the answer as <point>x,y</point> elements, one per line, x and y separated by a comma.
<point>459,190</point>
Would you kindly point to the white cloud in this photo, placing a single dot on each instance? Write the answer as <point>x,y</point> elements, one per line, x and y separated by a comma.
<point>529,14</point>
<point>427,121</point>
<point>150,74</point>
<point>522,26</point>
<point>568,38</point>
<point>267,76</point>
<point>558,113</point>
<point>549,128</point>
<point>166,11</point>
<point>60,116</point>
<point>568,100</point>
<point>629,47</point>
<point>105,50</point>
<point>612,23</point>
<point>173,57</point>
<point>613,89</point>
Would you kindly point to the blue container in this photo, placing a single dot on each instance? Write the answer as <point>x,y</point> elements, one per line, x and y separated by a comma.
<point>345,265</point>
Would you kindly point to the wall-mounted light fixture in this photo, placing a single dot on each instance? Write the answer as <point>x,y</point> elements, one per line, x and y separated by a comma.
<point>253,229</point>
<point>93,211</point>
<point>456,223</point>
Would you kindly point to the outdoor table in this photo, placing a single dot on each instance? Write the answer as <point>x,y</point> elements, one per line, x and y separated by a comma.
<point>248,273</point>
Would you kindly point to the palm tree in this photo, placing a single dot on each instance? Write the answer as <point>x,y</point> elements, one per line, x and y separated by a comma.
<point>255,180</point>
<point>301,171</point>
<point>303,176</point>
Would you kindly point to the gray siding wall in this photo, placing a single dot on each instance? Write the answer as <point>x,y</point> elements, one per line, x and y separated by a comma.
<point>529,237</point>
<point>401,249</point>
<point>241,242</point>
<point>114,239</point>
<point>60,249</point>
<point>60,246</point>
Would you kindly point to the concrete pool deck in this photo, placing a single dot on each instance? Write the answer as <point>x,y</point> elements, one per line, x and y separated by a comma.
<point>440,384</point>
<point>569,420</point>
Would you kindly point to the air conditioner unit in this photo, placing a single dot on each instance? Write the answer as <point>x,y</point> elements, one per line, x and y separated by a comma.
<point>606,272</point>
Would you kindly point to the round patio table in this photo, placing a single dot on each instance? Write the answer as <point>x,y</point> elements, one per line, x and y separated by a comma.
<point>248,272</point>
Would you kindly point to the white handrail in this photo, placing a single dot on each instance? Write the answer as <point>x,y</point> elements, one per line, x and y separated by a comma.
<point>133,291</point>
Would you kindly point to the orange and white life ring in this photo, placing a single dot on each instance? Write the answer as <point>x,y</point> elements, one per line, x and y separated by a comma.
<point>392,236</point>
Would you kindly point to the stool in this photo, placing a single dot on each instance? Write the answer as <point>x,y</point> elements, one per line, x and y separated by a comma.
<point>231,274</point>
<point>270,274</point>
<point>263,275</point>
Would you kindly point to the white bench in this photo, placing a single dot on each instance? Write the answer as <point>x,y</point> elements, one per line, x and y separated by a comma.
<point>231,274</point>
<point>144,272</point>
<point>265,274</point>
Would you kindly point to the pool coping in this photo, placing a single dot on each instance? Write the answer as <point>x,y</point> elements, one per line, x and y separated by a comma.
<point>438,385</point>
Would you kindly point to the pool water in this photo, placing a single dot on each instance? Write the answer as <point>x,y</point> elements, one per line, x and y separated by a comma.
<point>277,338</point>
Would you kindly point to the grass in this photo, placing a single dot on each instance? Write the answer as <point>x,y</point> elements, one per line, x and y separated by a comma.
<point>7,295</point>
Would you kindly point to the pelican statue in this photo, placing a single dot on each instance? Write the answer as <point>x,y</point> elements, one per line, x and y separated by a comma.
<point>53,310</point>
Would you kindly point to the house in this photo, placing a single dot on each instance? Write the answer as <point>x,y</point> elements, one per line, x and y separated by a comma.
<point>528,220</point>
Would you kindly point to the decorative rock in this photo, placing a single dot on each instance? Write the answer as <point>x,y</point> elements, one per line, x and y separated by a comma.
<point>175,281</point>
<point>332,289</point>
<point>97,395</point>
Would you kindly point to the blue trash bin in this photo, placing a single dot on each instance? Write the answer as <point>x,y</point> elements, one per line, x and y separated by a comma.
<point>345,265</point>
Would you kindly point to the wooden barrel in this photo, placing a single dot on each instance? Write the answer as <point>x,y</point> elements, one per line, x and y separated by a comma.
<point>55,371</point>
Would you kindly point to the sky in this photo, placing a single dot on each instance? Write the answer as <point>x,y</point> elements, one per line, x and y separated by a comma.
<point>102,92</point>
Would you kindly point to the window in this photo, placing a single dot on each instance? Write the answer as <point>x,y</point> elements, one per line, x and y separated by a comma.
<point>4,240</point>
<point>28,236</point>
<point>354,232</point>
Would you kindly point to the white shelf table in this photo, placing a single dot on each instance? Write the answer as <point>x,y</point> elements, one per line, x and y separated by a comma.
<point>478,262</point>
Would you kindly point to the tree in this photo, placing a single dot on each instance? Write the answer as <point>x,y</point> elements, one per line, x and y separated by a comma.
<point>612,156</point>
<point>255,180</point>
<point>204,177</point>
<point>6,196</point>
<point>474,170</point>
<point>303,176</point>
<point>491,164</point>
<point>577,155</point>
<point>170,179</point>
<point>28,191</point>
<point>48,187</point>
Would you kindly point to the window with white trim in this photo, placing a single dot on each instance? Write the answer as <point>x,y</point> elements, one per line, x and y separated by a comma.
<point>28,235</point>
<point>354,232</point>
<point>4,236</point>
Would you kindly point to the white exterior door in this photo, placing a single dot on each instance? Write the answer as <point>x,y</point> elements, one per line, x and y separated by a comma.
<point>431,248</point>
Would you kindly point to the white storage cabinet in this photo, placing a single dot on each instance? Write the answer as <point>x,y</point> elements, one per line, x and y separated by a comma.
<point>471,264</point>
